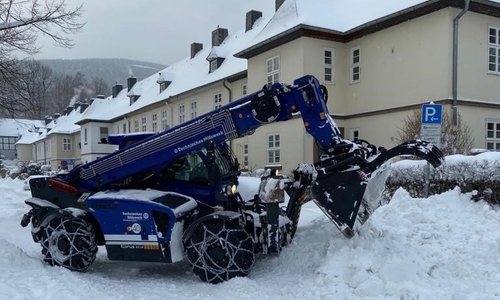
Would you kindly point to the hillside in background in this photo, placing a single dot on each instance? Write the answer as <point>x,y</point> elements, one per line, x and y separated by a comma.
<point>112,70</point>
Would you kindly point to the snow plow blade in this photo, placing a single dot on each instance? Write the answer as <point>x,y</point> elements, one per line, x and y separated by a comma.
<point>350,189</point>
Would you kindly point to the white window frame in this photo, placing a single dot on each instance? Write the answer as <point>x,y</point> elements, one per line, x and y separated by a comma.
<point>154,122</point>
<point>163,120</point>
<point>144,124</point>
<point>492,141</point>
<point>493,50</point>
<point>136,125</point>
<point>244,90</point>
<point>329,66</point>
<point>66,143</point>
<point>354,134</point>
<point>244,154</point>
<point>217,100</point>
<point>194,109</point>
<point>182,111</point>
<point>273,67</point>
<point>355,63</point>
<point>213,65</point>
<point>273,149</point>
<point>103,133</point>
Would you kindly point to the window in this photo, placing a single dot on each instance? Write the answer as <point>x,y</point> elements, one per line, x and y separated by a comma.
<point>136,125</point>
<point>273,69</point>
<point>194,114</point>
<point>181,114</point>
<point>163,119</point>
<point>103,134</point>
<point>144,124</point>
<point>213,65</point>
<point>67,144</point>
<point>245,155</point>
<point>493,135</point>
<point>273,149</point>
<point>85,135</point>
<point>494,50</point>
<point>244,89</point>
<point>154,124</point>
<point>355,64</point>
<point>7,143</point>
<point>217,100</point>
<point>354,134</point>
<point>118,129</point>
<point>329,65</point>
<point>124,127</point>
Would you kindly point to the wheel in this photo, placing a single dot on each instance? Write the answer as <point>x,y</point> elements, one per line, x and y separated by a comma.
<point>218,252</point>
<point>70,243</point>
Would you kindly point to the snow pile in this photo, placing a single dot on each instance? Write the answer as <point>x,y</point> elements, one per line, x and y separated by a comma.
<point>443,247</point>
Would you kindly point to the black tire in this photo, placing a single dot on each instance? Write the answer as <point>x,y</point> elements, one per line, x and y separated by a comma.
<point>218,252</point>
<point>70,243</point>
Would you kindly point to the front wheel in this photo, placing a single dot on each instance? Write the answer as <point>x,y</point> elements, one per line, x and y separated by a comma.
<point>218,252</point>
<point>70,243</point>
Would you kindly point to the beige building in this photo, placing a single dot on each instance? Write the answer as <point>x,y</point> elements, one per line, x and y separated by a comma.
<point>378,71</point>
<point>378,67</point>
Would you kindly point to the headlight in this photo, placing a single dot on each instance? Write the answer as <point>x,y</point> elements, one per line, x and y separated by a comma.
<point>230,189</point>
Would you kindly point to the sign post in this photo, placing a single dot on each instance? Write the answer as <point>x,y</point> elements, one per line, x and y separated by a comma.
<point>430,131</point>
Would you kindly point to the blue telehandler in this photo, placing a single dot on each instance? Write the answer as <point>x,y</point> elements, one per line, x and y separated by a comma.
<point>172,196</point>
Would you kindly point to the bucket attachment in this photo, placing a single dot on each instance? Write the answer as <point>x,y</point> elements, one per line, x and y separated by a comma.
<point>339,186</point>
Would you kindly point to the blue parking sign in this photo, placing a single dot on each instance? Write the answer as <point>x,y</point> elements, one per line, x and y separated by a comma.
<point>432,114</point>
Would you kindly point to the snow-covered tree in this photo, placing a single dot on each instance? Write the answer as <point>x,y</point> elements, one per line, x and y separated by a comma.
<point>21,21</point>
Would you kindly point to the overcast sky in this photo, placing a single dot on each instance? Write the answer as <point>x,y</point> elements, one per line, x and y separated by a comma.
<point>151,30</point>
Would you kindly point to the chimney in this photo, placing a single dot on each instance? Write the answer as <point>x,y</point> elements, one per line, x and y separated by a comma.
<point>130,82</point>
<point>77,104</point>
<point>100,97</point>
<point>116,89</point>
<point>277,4</point>
<point>47,120</point>
<point>83,107</point>
<point>68,110</point>
<point>218,36</point>
<point>195,48</point>
<point>64,111</point>
<point>251,17</point>
<point>56,116</point>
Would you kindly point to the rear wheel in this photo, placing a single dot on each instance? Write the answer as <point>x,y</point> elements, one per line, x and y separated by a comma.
<point>70,243</point>
<point>218,252</point>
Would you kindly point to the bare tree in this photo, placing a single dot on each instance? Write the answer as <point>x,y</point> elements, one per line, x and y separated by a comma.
<point>21,21</point>
<point>99,86</point>
<point>34,89</point>
<point>67,90</point>
<point>454,139</point>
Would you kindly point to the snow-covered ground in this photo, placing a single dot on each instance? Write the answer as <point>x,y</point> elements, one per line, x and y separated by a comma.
<point>443,247</point>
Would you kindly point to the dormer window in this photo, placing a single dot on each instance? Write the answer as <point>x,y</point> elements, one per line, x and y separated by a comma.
<point>164,85</point>
<point>133,99</point>
<point>164,80</point>
<point>215,59</point>
<point>213,65</point>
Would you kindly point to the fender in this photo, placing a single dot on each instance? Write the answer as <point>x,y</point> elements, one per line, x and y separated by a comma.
<point>226,215</point>
<point>44,212</point>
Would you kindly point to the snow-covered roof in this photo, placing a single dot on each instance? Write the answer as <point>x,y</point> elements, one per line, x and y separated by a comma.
<point>186,74</point>
<point>65,124</point>
<point>15,127</point>
<point>333,15</point>
<point>27,138</point>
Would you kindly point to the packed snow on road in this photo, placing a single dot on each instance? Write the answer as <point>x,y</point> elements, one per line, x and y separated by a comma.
<point>442,247</point>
